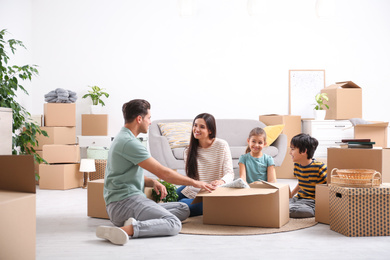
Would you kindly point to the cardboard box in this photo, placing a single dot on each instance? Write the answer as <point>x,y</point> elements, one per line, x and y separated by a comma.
<point>17,225</point>
<point>356,212</point>
<point>56,135</point>
<point>37,119</point>
<point>61,153</point>
<point>17,207</point>
<point>322,204</point>
<point>348,158</point>
<point>292,127</point>
<point>345,100</point>
<point>96,203</point>
<point>59,114</point>
<point>376,131</point>
<point>263,205</point>
<point>60,176</point>
<point>94,124</point>
<point>17,173</point>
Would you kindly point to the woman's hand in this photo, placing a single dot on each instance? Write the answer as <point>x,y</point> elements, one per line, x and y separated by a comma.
<point>160,189</point>
<point>204,186</point>
<point>216,183</point>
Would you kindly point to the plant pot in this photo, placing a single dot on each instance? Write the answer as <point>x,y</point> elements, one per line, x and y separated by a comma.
<point>319,114</point>
<point>96,109</point>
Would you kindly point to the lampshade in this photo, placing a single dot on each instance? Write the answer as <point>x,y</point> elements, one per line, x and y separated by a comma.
<point>87,165</point>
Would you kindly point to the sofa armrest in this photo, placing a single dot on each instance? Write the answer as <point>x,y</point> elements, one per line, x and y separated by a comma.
<point>281,144</point>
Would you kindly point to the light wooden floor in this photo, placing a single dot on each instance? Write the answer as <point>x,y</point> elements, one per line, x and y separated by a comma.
<point>65,232</point>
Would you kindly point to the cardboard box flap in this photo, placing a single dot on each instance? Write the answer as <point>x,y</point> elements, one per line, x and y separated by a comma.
<point>260,189</point>
<point>265,185</point>
<point>381,124</point>
<point>344,84</point>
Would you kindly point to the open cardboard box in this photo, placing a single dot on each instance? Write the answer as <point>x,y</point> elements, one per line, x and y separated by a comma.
<point>263,205</point>
<point>292,127</point>
<point>376,131</point>
<point>17,207</point>
<point>345,100</point>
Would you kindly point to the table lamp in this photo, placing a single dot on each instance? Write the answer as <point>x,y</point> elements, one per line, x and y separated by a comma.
<point>87,166</point>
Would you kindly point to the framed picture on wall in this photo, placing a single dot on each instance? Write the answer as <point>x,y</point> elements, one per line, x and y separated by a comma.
<point>303,86</point>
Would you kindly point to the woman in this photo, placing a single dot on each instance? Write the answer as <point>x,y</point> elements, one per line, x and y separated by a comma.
<point>207,159</point>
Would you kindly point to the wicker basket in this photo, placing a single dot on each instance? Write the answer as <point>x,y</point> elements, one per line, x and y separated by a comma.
<point>356,178</point>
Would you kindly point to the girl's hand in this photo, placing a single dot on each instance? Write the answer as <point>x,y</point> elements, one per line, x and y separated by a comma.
<point>216,183</point>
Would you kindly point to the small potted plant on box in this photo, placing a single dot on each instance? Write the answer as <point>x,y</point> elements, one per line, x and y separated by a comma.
<point>319,109</point>
<point>95,94</point>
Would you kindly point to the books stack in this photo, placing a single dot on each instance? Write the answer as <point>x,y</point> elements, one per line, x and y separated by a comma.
<point>357,143</point>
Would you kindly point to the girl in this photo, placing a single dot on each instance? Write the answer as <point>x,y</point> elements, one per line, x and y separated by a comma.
<point>254,165</point>
<point>207,159</point>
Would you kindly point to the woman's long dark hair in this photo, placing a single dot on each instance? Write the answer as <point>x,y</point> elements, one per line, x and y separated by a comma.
<point>192,156</point>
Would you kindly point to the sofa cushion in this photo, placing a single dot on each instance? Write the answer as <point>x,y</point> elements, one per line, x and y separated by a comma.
<point>177,133</point>
<point>237,151</point>
<point>178,153</point>
<point>273,132</point>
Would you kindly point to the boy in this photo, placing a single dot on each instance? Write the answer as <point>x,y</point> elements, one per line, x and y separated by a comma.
<point>309,172</point>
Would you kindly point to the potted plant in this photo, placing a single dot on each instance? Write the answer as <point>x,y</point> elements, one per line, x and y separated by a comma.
<point>24,130</point>
<point>319,109</point>
<point>172,196</point>
<point>95,94</point>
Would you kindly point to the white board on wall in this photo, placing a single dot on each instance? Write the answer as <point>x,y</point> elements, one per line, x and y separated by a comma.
<point>303,86</point>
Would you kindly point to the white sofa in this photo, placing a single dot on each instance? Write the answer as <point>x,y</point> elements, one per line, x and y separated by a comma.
<point>234,131</point>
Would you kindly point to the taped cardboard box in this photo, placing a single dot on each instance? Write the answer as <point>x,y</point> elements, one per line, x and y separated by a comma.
<point>357,212</point>
<point>96,203</point>
<point>352,158</point>
<point>263,205</point>
<point>345,100</point>
<point>94,125</point>
<point>60,176</point>
<point>322,203</point>
<point>376,131</point>
<point>56,135</point>
<point>61,153</point>
<point>59,114</point>
<point>17,207</point>
<point>292,127</point>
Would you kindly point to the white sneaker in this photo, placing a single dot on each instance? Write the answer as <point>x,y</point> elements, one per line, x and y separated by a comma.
<point>115,235</point>
<point>130,221</point>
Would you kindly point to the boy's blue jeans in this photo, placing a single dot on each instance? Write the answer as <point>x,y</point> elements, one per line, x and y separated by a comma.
<point>195,209</point>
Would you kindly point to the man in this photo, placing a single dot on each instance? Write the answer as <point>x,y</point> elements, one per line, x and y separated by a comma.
<point>127,206</point>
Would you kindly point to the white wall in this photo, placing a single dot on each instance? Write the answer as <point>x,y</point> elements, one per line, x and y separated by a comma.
<point>220,61</point>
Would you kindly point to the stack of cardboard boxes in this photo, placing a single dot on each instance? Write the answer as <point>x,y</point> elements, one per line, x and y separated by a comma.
<point>59,149</point>
<point>94,131</point>
<point>346,209</point>
<point>17,197</point>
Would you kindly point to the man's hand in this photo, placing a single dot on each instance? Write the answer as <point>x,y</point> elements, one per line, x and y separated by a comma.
<point>160,189</point>
<point>204,186</point>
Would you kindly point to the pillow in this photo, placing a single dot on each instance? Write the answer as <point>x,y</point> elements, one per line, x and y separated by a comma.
<point>273,132</point>
<point>177,133</point>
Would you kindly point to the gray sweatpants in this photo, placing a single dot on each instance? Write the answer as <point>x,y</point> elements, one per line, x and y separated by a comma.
<point>302,208</point>
<point>153,219</point>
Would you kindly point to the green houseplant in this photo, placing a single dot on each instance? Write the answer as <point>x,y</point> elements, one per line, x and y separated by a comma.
<point>24,131</point>
<point>320,99</point>
<point>171,190</point>
<point>95,94</point>
<point>320,106</point>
